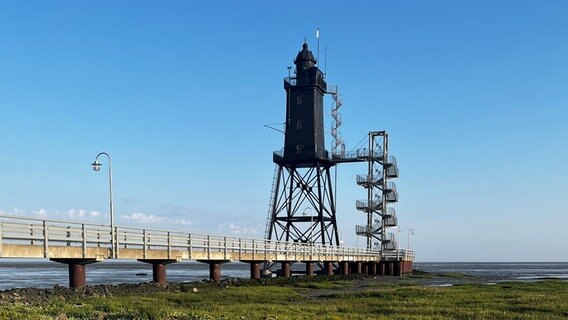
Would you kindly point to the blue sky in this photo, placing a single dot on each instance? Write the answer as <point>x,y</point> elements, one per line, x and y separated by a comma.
<point>474,96</point>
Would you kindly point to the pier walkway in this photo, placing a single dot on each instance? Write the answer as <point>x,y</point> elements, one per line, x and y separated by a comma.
<point>79,244</point>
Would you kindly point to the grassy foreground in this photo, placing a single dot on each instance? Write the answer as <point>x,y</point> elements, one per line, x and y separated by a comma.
<point>316,299</point>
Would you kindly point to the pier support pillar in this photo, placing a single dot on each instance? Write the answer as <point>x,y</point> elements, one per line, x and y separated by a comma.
<point>77,275</point>
<point>372,268</point>
<point>398,268</point>
<point>389,268</point>
<point>364,269</point>
<point>254,268</point>
<point>382,269</point>
<point>406,267</point>
<point>77,270</point>
<point>215,272</point>
<point>214,269</point>
<point>355,268</point>
<point>344,266</point>
<point>158,269</point>
<point>328,268</point>
<point>286,269</point>
<point>309,269</point>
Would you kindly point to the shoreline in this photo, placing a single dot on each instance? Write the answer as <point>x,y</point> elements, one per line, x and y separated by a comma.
<point>38,296</point>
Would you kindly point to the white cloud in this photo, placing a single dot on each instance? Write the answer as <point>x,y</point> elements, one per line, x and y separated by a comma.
<point>82,213</point>
<point>236,229</point>
<point>181,221</point>
<point>142,217</point>
<point>41,213</point>
<point>13,212</point>
<point>139,217</point>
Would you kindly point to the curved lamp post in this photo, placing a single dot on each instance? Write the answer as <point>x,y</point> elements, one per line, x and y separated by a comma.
<point>97,167</point>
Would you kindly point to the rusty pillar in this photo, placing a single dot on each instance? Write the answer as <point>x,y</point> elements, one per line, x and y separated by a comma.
<point>344,268</point>
<point>286,269</point>
<point>158,269</point>
<point>372,268</point>
<point>403,267</point>
<point>214,269</point>
<point>382,269</point>
<point>356,268</point>
<point>254,270</point>
<point>328,268</point>
<point>77,270</point>
<point>77,275</point>
<point>364,269</point>
<point>408,267</point>
<point>159,273</point>
<point>389,268</point>
<point>398,268</point>
<point>309,269</point>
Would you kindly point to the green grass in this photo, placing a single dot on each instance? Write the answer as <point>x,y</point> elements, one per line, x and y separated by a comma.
<point>321,300</point>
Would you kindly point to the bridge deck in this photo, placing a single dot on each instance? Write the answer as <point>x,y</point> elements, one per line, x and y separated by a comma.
<point>35,238</point>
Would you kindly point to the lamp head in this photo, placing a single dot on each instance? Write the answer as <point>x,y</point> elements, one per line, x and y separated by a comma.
<point>96,165</point>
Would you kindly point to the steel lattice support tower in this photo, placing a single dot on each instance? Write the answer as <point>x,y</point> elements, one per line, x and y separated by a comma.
<point>302,205</point>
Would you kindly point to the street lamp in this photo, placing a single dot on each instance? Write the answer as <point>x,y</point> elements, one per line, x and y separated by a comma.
<point>398,244</point>
<point>97,167</point>
<point>410,232</point>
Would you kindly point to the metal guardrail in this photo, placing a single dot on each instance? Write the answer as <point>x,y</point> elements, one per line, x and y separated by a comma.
<point>56,233</point>
<point>401,254</point>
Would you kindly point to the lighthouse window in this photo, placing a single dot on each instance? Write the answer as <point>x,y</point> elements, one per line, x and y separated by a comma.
<point>300,99</point>
<point>299,124</point>
<point>299,148</point>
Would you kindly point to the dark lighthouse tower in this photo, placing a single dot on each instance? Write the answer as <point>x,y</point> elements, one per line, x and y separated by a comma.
<point>302,202</point>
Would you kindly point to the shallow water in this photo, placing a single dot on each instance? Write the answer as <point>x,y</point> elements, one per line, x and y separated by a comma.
<point>501,270</point>
<point>38,273</point>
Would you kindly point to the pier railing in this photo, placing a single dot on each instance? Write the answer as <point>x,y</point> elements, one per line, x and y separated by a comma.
<point>37,238</point>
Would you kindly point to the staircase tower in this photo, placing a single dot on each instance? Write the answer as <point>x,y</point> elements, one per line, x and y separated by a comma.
<point>381,193</point>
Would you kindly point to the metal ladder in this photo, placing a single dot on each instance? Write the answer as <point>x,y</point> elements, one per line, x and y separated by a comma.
<point>270,204</point>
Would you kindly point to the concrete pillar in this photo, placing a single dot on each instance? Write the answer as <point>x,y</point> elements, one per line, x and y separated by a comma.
<point>344,268</point>
<point>286,269</point>
<point>328,266</point>
<point>309,269</point>
<point>77,270</point>
<point>158,269</point>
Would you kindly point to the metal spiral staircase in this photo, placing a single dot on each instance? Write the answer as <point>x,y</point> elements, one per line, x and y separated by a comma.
<point>381,194</point>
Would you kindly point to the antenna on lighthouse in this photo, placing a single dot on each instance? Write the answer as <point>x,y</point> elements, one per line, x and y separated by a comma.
<point>318,37</point>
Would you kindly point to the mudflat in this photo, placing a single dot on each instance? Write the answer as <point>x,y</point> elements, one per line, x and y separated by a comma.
<point>420,296</point>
